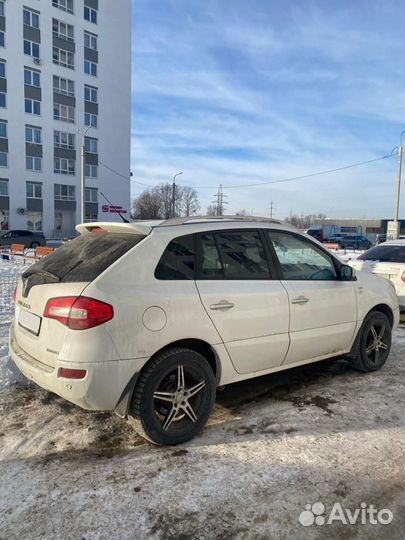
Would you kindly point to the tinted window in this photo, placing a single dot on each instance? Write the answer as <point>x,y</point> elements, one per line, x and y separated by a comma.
<point>178,259</point>
<point>233,255</point>
<point>385,253</point>
<point>300,259</point>
<point>85,257</point>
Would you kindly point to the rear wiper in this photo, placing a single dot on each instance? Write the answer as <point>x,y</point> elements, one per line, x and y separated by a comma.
<point>41,272</point>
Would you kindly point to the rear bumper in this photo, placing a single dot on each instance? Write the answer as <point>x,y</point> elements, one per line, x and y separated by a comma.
<point>101,388</point>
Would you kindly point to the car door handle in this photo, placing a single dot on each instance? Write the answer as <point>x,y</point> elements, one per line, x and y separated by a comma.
<point>300,300</point>
<point>222,305</point>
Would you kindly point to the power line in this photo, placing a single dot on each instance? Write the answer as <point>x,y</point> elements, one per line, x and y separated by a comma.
<point>122,175</point>
<point>328,171</point>
<point>269,182</point>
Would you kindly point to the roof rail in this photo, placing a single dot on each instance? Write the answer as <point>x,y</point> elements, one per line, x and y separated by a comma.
<point>212,219</point>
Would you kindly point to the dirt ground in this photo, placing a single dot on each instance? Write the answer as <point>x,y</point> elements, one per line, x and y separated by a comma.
<point>320,433</point>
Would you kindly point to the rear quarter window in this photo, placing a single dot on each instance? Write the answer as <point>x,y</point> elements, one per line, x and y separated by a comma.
<point>87,256</point>
<point>178,260</point>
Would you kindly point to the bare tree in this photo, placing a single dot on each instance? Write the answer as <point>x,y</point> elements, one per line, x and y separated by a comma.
<point>147,205</point>
<point>189,201</point>
<point>157,203</point>
<point>212,210</point>
<point>242,212</point>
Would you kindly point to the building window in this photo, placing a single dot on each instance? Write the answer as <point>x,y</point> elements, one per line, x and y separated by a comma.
<point>90,14</point>
<point>33,163</point>
<point>34,221</point>
<point>34,190</point>
<point>3,129</point>
<point>33,135</point>
<point>64,192</point>
<point>2,40</point>
<point>63,58</point>
<point>32,106</point>
<point>3,159</point>
<point>91,171</point>
<point>65,5</point>
<point>62,30</point>
<point>91,145</point>
<point>32,77</point>
<point>2,99</point>
<point>2,9</point>
<point>31,48</point>
<point>3,69</point>
<point>64,113</point>
<point>3,188</point>
<point>31,18</point>
<point>90,41</point>
<point>90,94</point>
<point>90,68</point>
<point>91,195</point>
<point>64,166</point>
<point>63,140</point>
<point>63,86</point>
<point>90,119</point>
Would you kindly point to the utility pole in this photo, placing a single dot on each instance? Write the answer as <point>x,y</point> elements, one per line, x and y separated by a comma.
<point>396,214</point>
<point>174,194</point>
<point>83,175</point>
<point>271,209</point>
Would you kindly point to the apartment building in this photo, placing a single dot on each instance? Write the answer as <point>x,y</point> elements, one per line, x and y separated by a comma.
<point>65,79</point>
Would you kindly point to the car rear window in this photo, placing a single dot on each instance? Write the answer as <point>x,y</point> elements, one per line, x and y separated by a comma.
<point>85,257</point>
<point>389,253</point>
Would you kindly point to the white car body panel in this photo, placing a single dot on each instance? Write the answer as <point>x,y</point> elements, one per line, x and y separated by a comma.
<point>326,323</point>
<point>255,330</point>
<point>262,334</point>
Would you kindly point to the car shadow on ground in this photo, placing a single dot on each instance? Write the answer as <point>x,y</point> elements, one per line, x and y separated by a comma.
<point>325,397</point>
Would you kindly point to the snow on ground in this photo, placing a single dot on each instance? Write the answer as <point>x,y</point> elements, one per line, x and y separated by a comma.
<point>320,433</point>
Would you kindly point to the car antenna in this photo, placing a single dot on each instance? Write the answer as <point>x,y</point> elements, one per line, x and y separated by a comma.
<point>110,203</point>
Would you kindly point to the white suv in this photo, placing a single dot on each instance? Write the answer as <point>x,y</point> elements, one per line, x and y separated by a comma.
<point>148,318</point>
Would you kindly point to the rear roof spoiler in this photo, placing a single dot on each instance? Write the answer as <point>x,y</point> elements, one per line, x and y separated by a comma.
<point>123,228</point>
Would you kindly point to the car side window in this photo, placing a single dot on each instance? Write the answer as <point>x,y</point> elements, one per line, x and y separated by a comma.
<point>178,260</point>
<point>233,255</point>
<point>300,259</point>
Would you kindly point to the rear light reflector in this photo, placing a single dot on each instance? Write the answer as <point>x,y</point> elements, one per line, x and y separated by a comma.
<point>68,373</point>
<point>78,312</point>
<point>403,277</point>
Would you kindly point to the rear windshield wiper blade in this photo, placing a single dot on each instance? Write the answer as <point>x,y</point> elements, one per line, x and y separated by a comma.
<point>40,272</point>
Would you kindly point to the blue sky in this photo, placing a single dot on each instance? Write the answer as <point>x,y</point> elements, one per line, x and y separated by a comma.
<point>239,92</point>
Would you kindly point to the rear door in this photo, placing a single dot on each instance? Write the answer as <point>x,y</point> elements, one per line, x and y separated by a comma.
<point>242,297</point>
<point>323,309</point>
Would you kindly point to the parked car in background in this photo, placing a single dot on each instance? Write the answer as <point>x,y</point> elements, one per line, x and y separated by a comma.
<point>336,238</point>
<point>30,239</point>
<point>355,241</point>
<point>148,318</point>
<point>386,260</point>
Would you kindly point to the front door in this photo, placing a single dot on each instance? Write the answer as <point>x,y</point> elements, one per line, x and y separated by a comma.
<point>248,308</point>
<point>322,307</point>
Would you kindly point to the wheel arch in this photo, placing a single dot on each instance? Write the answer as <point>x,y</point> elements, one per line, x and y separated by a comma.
<point>198,345</point>
<point>383,308</point>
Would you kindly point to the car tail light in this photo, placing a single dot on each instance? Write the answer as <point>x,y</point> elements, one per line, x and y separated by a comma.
<point>68,373</point>
<point>403,277</point>
<point>78,312</point>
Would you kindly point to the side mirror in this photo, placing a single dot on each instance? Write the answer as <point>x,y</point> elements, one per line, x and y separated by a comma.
<point>347,273</point>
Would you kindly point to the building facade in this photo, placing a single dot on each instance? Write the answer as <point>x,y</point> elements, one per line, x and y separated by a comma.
<point>65,69</point>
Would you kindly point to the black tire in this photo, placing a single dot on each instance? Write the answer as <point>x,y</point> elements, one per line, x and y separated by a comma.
<point>163,375</point>
<point>34,245</point>
<point>373,343</point>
